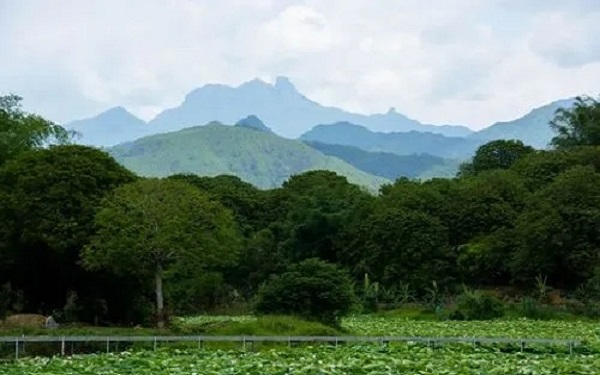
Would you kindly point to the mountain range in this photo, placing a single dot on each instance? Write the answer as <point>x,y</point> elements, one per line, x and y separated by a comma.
<point>409,143</point>
<point>532,129</point>
<point>368,149</point>
<point>290,114</point>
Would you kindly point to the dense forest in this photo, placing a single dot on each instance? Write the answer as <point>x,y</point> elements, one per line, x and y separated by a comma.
<point>84,239</point>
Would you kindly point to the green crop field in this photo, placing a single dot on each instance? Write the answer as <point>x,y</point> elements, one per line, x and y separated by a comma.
<point>410,358</point>
<point>517,328</point>
<point>315,360</point>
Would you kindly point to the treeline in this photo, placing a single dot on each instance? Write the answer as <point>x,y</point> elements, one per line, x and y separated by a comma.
<point>86,240</point>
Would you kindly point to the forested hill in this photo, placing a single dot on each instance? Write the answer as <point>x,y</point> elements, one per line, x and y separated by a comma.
<point>348,134</point>
<point>263,159</point>
<point>389,165</point>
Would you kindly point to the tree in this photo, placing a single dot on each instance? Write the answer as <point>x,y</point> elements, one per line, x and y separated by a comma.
<point>480,205</point>
<point>151,228</point>
<point>48,200</point>
<point>578,125</point>
<point>316,206</point>
<point>500,154</point>
<point>20,131</point>
<point>541,168</point>
<point>313,289</point>
<point>399,245</point>
<point>242,198</point>
<point>558,232</point>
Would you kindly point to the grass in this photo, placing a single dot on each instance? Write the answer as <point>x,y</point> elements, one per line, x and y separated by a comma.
<point>199,325</point>
<point>253,326</point>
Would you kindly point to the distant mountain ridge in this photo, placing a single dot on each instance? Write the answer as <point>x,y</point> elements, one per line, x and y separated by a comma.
<point>290,113</point>
<point>389,165</point>
<point>409,143</point>
<point>109,128</point>
<point>281,105</point>
<point>261,158</point>
<point>532,129</point>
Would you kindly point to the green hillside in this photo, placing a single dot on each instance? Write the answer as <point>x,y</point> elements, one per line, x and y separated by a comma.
<point>263,159</point>
<point>389,165</point>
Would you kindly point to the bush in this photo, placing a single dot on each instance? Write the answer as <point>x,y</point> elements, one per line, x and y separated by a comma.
<point>312,289</point>
<point>478,306</point>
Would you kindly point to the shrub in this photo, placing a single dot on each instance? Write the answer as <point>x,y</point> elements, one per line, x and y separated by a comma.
<point>312,289</point>
<point>475,305</point>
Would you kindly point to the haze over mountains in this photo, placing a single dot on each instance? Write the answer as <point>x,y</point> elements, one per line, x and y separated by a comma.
<point>290,114</point>
<point>366,148</point>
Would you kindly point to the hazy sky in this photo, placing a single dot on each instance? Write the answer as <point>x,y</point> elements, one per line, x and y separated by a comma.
<point>468,62</point>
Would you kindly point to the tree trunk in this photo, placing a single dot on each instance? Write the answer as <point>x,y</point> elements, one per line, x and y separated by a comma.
<point>159,299</point>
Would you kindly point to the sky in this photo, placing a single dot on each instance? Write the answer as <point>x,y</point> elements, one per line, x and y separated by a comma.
<point>467,62</point>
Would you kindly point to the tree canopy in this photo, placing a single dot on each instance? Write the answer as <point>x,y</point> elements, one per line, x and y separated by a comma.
<point>48,199</point>
<point>152,228</point>
<point>84,239</point>
<point>578,125</point>
<point>499,154</point>
<point>20,131</point>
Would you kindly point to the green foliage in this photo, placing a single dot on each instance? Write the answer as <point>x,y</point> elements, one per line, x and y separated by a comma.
<point>390,325</point>
<point>500,154</point>
<point>395,244</point>
<point>579,125</point>
<point>530,308</point>
<point>316,206</point>
<point>21,132</point>
<point>242,198</point>
<point>565,212</point>
<point>271,325</point>
<point>48,201</point>
<point>483,204</point>
<point>352,359</point>
<point>542,167</point>
<point>312,289</point>
<point>476,305</point>
<point>155,228</point>
<point>370,294</point>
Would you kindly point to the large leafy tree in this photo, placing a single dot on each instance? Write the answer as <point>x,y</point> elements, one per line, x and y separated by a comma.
<point>152,228</point>
<point>48,199</point>
<point>21,131</point>
<point>499,154</point>
<point>316,206</point>
<point>578,125</point>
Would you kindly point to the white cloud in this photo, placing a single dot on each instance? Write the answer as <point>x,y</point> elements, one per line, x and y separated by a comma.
<point>565,40</point>
<point>463,61</point>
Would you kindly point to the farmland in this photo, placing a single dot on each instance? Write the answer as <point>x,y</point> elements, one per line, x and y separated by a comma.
<point>315,360</point>
<point>356,359</point>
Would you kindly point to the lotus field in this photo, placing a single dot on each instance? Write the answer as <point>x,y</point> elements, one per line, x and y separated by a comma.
<point>358,359</point>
